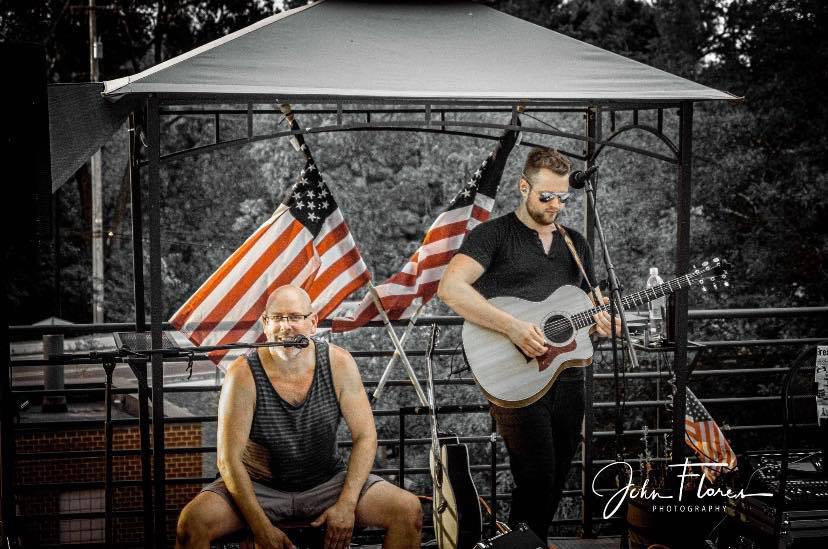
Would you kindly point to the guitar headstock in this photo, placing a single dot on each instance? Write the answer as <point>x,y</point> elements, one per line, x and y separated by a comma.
<point>713,272</point>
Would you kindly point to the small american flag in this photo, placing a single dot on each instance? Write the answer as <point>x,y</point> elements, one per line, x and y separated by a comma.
<point>402,294</point>
<point>306,242</point>
<point>705,438</point>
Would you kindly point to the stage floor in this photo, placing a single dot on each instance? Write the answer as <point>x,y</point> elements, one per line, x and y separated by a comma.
<point>576,543</point>
<point>559,543</point>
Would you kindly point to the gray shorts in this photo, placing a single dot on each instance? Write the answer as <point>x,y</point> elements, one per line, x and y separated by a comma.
<point>297,507</point>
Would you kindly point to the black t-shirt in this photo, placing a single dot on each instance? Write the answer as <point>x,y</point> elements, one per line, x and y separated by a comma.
<point>516,264</point>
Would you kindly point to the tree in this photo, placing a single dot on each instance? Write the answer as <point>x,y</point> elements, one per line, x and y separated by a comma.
<point>136,34</point>
<point>774,53</point>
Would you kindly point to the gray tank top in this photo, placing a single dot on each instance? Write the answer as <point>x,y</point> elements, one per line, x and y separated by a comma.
<point>300,439</point>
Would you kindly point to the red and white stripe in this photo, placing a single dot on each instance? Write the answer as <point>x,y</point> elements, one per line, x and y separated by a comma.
<point>228,306</point>
<point>417,282</point>
<point>708,441</point>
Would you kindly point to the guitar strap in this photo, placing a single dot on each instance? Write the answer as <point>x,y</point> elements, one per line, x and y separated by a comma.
<point>577,259</point>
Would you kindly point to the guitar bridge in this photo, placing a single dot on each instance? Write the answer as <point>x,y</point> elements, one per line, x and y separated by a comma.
<point>546,358</point>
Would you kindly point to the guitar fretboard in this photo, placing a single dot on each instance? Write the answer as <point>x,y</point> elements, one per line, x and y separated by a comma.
<point>584,319</point>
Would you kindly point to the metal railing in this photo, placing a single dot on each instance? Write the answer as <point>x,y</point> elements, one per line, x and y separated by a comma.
<point>401,444</point>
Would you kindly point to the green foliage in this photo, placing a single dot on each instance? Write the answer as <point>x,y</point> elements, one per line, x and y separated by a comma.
<point>135,33</point>
<point>627,28</point>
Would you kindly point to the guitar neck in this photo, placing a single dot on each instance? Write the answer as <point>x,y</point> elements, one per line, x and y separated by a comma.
<point>585,318</point>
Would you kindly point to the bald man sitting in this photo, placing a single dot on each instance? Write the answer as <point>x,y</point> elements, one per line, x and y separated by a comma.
<point>277,455</point>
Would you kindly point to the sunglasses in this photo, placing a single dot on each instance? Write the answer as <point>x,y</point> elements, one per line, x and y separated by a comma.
<point>548,196</point>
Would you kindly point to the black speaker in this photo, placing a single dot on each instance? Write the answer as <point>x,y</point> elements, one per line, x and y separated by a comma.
<point>519,538</point>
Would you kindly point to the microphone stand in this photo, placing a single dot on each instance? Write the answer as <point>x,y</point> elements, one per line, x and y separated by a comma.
<point>169,352</point>
<point>615,309</point>
<point>298,341</point>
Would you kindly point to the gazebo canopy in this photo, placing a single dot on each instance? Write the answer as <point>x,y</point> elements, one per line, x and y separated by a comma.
<point>362,50</point>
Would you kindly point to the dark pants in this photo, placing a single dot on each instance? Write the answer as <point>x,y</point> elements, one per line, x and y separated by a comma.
<point>541,440</point>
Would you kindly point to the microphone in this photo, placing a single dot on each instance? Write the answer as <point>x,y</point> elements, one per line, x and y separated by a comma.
<point>578,178</point>
<point>298,341</point>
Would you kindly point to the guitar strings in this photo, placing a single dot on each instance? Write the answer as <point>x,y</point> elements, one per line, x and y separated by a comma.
<point>584,318</point>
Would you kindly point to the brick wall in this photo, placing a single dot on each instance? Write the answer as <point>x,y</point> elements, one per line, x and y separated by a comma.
<point>32,501</point>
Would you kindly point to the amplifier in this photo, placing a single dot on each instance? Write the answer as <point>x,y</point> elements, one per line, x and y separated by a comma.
<point>804,520</point>
<point>805,527</point>
<point>806,485</point>
<point>519,538</point>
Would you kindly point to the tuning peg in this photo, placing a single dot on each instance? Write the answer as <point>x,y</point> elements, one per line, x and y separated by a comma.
<point>704,288</point>
<point>726,284</point>
<point>715,260</point>
<point>705,263</point>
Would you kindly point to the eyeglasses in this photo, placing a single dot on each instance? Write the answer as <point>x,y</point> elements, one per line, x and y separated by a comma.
<point>293,318</point>
<point>548,196</point>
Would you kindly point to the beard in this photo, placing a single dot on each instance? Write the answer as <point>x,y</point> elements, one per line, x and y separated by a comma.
<point>541,216</point>
<point>286,353</point>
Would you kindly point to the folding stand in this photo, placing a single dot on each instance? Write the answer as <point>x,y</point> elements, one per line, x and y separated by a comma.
<point>398,346</point>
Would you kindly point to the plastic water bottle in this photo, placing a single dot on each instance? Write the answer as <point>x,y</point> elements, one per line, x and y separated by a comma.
<point>656,307</point>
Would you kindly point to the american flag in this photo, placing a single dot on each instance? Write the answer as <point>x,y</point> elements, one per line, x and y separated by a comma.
<point>306,242</point>
<point>402,294</point>
<point>705,438</point>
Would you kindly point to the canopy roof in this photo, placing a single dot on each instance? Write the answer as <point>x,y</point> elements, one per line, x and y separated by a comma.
<point>452,50</point>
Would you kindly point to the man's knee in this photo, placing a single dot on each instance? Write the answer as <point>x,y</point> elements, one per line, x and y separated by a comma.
<point>185,525</point>
<point>189,528</point>
<point>409,511</point>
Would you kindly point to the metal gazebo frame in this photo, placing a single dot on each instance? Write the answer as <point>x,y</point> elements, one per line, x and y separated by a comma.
<point>159,105</point>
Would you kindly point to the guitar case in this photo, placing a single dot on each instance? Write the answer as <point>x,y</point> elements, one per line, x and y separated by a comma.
<point>456,507</point>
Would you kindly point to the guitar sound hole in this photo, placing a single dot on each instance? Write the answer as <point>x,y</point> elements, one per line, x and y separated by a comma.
<point>558,329</point>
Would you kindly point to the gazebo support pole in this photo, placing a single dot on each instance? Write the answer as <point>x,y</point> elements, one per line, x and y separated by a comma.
<point>593,131</point>
<point>156,311</point>
<point>137,226</point>
<point>679,314</point>
<point>139,368</point>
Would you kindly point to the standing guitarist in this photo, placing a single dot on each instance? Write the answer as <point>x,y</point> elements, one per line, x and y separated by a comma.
<point>524,254</point>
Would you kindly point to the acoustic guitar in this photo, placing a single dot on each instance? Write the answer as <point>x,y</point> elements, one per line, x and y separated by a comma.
<point>512,379</point>
<point>458,523</point>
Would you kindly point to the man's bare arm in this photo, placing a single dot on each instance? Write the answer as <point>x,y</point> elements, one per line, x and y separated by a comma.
<point>353,402</point>
<point>235,418</point>
<point>457,292</point>
<point>356,410</point>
